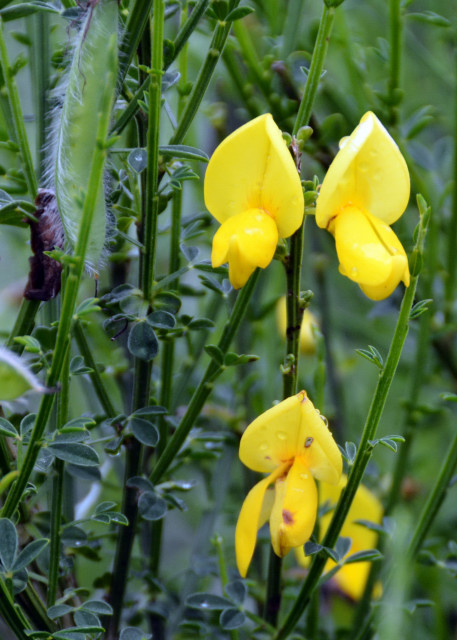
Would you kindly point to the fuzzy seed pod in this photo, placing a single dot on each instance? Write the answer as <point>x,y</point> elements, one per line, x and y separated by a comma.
<point>92,73</point>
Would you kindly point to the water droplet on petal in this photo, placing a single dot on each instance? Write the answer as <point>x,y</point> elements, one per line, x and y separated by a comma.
<point>263,446</point>
<point>304,476</point>
<point>281,435</point>
<point>325,421</point>
<point>354,271</point>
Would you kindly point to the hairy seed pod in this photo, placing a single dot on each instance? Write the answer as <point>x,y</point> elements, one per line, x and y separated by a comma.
<point>92,74</point>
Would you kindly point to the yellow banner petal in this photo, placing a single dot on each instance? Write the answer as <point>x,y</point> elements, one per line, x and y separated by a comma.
<point>368,172</point>
<point>319,451</point>
<point>274,437</point>
<point>253,169</point>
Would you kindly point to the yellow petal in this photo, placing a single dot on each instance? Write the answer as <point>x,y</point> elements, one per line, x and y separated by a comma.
<point>274,437</point>
<point>369,253</point>
<point>307,338</point>
<point>352,578</point>
<point>295,508</point>
<point>368,172</point>
<point>319,451</point>
<point>246,241</point>
<point>252,516</point>
<point>253,169</point>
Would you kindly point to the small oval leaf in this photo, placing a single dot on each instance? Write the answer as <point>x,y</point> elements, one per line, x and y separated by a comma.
<point>142,341</point>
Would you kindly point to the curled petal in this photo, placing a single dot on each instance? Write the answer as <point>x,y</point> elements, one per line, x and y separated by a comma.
<point>253,514</point>
<point>369,253</point>
<point>274,437</point>
<point>368,172</point>
<point>319,450</point>
<point>294,510</point>
<point>246,241</point>
<point>253,169</point>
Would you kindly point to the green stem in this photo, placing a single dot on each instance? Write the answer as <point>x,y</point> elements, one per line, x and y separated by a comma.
<point>188,28</point>
<point>63,402</point>
<point>95,377</point>
<point>152,175</point>
<point>434,500</point>
<point>315,69</point>
<point>393,86</point>
<point>68,305</point>
<point>40,67</point>
<point>205,387</point>
<point>233,67</point>
<point>18,119</point>
<point>25,321</point>
<point>11,614</point>
<point>215,51</point>
<point>365,448</point>
<point>292,26</point>
<point>452,228</point>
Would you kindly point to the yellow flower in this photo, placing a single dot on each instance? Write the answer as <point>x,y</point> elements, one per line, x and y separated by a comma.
<point>292,443</point>
<point>365,190</point>
<point>253,189</point>
<point>351,578</point>
<point>307,338</point>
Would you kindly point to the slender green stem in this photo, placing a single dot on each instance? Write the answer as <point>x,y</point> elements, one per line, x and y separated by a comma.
<point>25,321</point>
<point>95,377</point>
<point>393,88</point>
<point>63,402</point>
<point>40,62</point>
<point>233,67</point>
<point>152,175</point>
<point>293,273</point>
<point>18,119</point>
<point>365,448</point>
<point>181,39</point>
<point>206,72</point>
<point>11,614</point>
<point>452,228</point>
<point>316,68</point>
<point>68,306</point>
<point>259,78</point>
<point>434,500</point>
<point>205,387</point>
<point>292,25</point>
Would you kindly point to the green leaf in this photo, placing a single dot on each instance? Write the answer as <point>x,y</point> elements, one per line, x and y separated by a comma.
<point>236,591</point>
<point>237,14</point>
<point>30,344</point>
<point>7,429</point>
<point>161,320</point>
<point>201,323</point>
<point>342,547</point>
<point>78,366</point>
<point>144,431</point>
<point>215,353</point>
<point>29,553</point>
<point>8,543</point>
<point>232,618</point>
<point>429,17</point>
<point>142,342</point>
<point>233,359</point>
<point>26,9</point>
<point>76,453</point>
<point>152,410</point>
<point>79,423</point>
<point>99,607</point>
<point>86,307</point>
<point>369,555</point>
<point>207,601</point>
<point>59,610</point>
<point>130,633</point>
<point>151,506</point>
<point>69,633</point>
<point>183,151</point>
<point>372,355</point>
<point>167,301</point>
<point>312,548</point>
<point>138,159</point>
<point>419,308</point>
